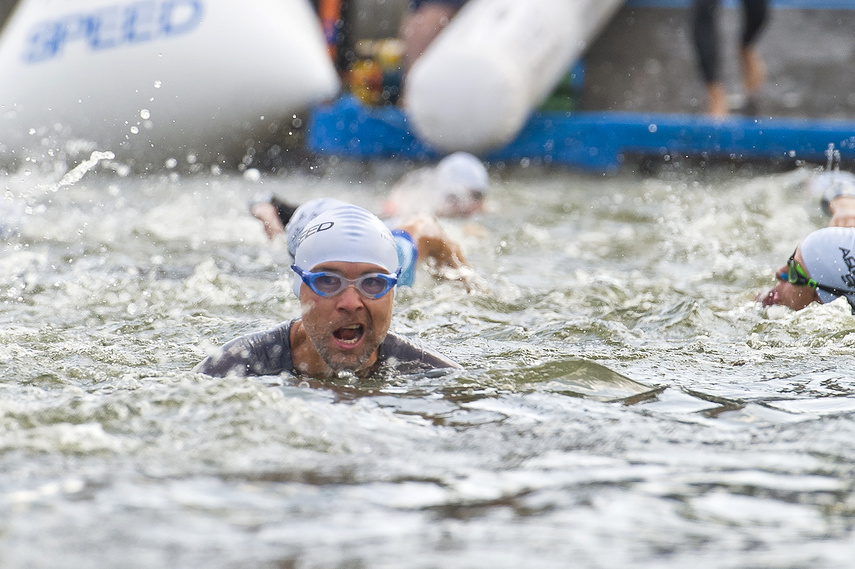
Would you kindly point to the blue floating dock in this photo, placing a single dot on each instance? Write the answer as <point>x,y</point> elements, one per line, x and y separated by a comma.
<point>599,141</point>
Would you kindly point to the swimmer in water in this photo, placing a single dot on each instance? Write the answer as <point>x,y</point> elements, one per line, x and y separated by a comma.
<point>836,189</point>
<point>419,238</point>
<point>821,269</point>
<point>456,187</point>
<point>345,271</point>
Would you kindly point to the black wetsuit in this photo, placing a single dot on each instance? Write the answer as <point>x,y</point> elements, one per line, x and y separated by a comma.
<point>269,353</point>
<point>706,32</point>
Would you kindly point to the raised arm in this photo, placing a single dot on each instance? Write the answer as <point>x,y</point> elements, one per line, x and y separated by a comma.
<point>842,211</point>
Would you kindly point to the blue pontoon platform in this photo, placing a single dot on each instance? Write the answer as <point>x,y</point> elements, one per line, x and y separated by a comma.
<point>589,140</point>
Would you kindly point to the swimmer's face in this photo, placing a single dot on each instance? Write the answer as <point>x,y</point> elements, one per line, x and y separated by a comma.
<point>461,204</point>
<point>346,329</point>
<point>787,294</point>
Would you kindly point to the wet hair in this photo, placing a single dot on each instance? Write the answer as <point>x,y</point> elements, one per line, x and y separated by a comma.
<point>284,210</point>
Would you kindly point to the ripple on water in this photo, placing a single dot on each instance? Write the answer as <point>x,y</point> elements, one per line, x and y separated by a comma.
<point>623,402</point>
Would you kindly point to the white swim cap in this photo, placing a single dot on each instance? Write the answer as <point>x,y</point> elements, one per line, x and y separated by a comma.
<point>347,234</point>
<point>829,256</point>
<point>831,185</point>
<point>462,170</point>
<point>303,215</point>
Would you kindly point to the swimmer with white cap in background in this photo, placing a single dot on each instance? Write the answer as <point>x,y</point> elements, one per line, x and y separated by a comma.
<point>836,190</point>
<point>456,187</point>
<point>345,272</point>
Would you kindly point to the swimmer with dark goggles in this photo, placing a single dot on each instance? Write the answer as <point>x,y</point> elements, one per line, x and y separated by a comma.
<point>821,269</point>
<point>796,275</point>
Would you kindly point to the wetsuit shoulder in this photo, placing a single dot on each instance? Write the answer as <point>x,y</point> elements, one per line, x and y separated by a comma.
<point>407,356</point>
<point>261,353</point>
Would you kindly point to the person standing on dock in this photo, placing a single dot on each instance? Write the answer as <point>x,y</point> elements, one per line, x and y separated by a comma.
<point>706,39</point>
<point>424,21</point>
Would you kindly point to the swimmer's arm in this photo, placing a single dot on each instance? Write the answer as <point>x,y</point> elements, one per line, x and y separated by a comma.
<point>265,211</point>
<point>838,200</point>
<point>441,254</point>
<point>842,211</point>
<point>433,242</point>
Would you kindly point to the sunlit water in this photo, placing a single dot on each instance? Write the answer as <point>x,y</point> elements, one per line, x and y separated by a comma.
<point>624,402</point>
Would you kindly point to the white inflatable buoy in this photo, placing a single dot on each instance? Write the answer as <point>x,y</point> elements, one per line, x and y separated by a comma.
<point>477,83</point>
<point>158,78</point>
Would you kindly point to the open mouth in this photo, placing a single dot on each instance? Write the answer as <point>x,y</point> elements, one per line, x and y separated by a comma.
<point>770,298</point>
<point>349,335</point>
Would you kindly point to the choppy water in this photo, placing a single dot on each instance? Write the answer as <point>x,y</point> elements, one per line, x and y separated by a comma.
<point>624,402</point>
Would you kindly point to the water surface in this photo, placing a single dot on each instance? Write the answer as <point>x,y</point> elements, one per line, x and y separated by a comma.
<point>623,403</point>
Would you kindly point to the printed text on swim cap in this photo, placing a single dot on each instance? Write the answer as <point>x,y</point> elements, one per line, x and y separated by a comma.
<point>314,229</point>
<point>848,278</point>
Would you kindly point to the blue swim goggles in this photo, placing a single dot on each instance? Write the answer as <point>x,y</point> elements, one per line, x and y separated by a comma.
<point>326,284</point>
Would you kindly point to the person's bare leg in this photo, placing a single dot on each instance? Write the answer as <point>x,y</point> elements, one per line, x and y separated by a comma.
<point>420,28</point>
<point>753,71</point>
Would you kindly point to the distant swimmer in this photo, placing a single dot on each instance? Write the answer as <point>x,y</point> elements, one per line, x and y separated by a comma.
<point>345,271</point>
<point>456,187</point>
<point>821,269</point>
<point>836,189</point>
